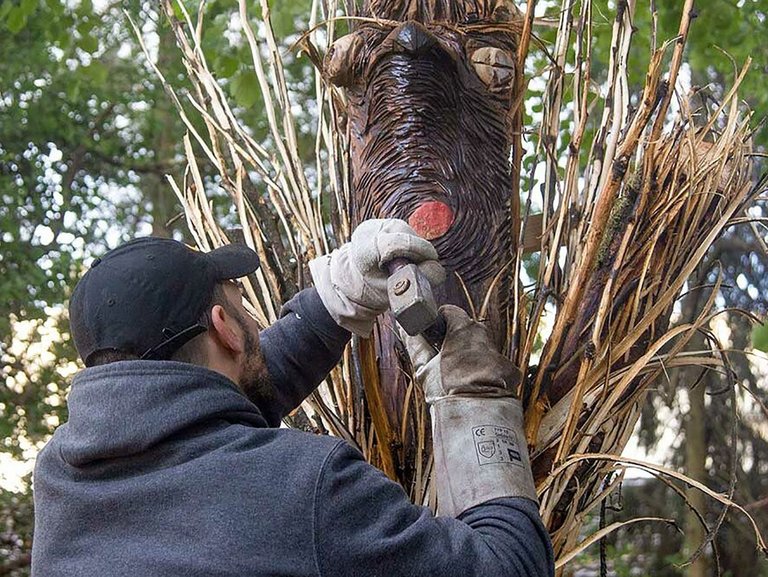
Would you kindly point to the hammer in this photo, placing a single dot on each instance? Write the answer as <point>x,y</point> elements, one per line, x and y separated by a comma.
<point>412,302</point>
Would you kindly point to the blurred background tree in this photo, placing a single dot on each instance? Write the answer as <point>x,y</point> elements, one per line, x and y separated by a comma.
<point>87,136</point>
<point>82,153</point>
<point>708,424</point>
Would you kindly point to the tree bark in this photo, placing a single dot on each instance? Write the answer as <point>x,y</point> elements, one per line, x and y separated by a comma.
<point>695,436</point>
<point>695,458</point>
<point>154,185</point>
<point>430,111</point>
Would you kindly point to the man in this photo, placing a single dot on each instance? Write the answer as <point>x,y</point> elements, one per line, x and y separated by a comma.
<point>171,463</point>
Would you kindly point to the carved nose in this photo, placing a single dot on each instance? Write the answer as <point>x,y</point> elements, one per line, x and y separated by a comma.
<point>412,37</point>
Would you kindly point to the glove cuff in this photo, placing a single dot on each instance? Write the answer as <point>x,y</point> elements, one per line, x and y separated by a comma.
<point>349,315</point>
<point>480,452</point>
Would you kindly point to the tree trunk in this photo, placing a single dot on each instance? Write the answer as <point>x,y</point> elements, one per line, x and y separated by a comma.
<point>694,434</point>
<point>163,142</point>
<point>430,112</point>
<point>695,457</point>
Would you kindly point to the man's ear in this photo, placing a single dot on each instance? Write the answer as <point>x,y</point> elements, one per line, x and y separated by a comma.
<point>225,330</point>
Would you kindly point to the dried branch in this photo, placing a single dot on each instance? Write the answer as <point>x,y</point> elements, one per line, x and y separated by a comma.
<point>626,218</point>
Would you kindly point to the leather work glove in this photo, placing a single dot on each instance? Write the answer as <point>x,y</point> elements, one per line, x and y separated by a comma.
<point>477,424</point>
<point>352,280</point>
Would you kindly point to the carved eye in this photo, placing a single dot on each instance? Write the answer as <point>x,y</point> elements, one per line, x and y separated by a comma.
<point>506,11</point>
<point>340,61</point>
<point>495,67</point>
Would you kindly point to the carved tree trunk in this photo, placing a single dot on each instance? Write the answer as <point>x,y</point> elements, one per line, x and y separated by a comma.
<point>430,111</point>
<point>433,94</point>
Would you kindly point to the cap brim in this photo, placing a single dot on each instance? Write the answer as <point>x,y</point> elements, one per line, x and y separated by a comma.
<point>233,261</point>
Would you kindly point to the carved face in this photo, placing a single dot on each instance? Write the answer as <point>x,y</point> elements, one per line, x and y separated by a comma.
<point>428,115</point>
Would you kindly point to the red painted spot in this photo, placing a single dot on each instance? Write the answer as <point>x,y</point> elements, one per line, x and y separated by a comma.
<point>432,219</point>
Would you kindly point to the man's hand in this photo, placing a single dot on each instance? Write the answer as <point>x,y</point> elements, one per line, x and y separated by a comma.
<point>352,280</point>
<point>477,424</point>
<point>468,358</point>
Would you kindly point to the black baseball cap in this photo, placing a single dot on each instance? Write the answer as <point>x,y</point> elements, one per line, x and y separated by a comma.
<point>149,296</point>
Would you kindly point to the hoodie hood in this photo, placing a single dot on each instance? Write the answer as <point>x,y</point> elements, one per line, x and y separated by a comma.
<point>124,408</point>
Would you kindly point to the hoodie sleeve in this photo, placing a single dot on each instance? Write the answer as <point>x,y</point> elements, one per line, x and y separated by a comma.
<point>300,349</point>
<point>365,525</point>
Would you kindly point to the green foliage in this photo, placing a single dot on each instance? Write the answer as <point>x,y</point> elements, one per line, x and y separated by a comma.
<point>79,155</point>
<point>651,548</point>
<point>723,36</point>
<point>15,532</point>
<point>87,135</point>
<point>760,337</point>
<point>245,89</point>
<point>656,548</point>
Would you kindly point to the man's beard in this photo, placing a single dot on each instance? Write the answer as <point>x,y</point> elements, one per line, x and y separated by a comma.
<point>254,378</point>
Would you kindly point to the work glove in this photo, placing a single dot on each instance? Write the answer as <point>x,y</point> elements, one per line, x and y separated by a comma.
<point>352,280</point>
<point>477,424</point>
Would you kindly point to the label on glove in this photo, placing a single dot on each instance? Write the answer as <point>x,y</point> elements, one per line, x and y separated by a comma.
<point>496,445</point>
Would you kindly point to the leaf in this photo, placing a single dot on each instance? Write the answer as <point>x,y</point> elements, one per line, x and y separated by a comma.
<point>597,536</point>
<point>5,8</point>
<point>73,91</point>
<point>63,39</point>
<point>177,11</point>
<point>55,6</point>
<point>17,20</point>
<point>28,6</point>
<point>85,26</point>
<point>226,66</point>
<point>760,337</point>
<point>97,71</point>
<point>89,43</point>
<point>245,89</point>
<point>659,471</point>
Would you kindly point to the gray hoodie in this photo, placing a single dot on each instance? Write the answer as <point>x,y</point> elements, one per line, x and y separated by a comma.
<point>165,469</point>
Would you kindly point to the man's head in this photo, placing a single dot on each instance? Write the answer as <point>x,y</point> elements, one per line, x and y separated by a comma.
<point>155,298</point>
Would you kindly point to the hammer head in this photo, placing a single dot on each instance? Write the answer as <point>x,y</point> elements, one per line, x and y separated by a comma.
<point>411,299</point>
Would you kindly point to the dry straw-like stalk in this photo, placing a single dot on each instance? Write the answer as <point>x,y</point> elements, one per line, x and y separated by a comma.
<point>625,222</point>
